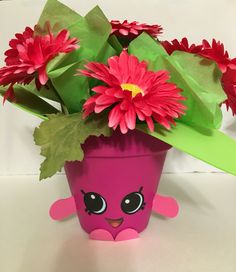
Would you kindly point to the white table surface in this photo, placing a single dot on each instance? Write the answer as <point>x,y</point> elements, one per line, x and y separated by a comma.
<point>202,238</point>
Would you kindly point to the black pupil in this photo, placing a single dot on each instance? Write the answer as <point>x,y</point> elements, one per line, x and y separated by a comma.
<point>94,202</point>
<point>132,203</point>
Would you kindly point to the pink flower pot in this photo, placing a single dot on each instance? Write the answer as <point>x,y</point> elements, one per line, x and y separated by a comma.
<point>114,186</point>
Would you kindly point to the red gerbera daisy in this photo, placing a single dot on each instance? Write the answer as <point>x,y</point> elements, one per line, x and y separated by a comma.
<point>29,55</point>
<point>229,85</point>
<point>133,29</point>
<point>13,54</point>
<point>216,52</point>
<point>133,91</point>
<point>182,45</point>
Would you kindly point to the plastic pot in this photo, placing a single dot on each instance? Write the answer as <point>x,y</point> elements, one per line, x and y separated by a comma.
<point>115,184</point>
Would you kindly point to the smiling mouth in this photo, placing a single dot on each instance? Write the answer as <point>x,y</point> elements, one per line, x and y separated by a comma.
<point>115,222</point>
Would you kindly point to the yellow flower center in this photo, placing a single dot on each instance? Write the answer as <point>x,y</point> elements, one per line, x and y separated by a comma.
<point>134,89</point>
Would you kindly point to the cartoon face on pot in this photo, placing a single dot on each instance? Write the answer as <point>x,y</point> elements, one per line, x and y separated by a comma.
<point>101,209</point>
<point>114,194</point>
<point>115,184</point>
<point>114,187</point>
<point>97,205</point>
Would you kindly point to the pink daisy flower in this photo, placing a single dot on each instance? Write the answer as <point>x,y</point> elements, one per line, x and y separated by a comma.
<point>133,29</point>
<point>182,45</point>
<point>132,91</point>
<point>229,85</point>
<point>216,52</point>
<point>29,55</point>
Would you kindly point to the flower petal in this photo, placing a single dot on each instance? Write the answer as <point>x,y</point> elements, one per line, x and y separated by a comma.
<point>130,118</point>
<point>29,55</point>
<point>114,116</point>
<point>9,94</point>
<point>155,98</point>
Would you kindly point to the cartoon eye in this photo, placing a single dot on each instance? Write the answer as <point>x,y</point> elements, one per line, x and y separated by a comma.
<point>133,202</point>
<point>94,203</point>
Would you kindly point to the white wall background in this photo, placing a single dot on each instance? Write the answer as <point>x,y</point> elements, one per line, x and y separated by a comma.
<point>194,19</point>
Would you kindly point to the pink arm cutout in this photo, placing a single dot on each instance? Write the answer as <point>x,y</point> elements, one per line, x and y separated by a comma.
<point>62,208</point>
<point>165,205</point>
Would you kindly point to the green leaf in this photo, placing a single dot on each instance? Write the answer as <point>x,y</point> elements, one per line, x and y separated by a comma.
<point>61,137</point>
<point>202,108</point>
<point>58,14</point>
<point>93,32</point>
<point>146,48</point>
<point>73,90</point>
<point>114,42</point>
<point>61,63</point>
<point>204,78</point>
<point>197,77</point>
<point>107,52</point>
<point>208,145</point>
<point>30,102</point>
<point>45,92</point>
<point>204,72</point>
<point>56,73</point>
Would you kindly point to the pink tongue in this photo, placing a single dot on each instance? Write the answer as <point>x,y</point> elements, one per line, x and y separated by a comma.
<point>115,224</point>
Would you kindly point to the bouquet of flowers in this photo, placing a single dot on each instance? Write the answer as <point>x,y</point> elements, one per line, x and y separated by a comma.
<point>112,79</point>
